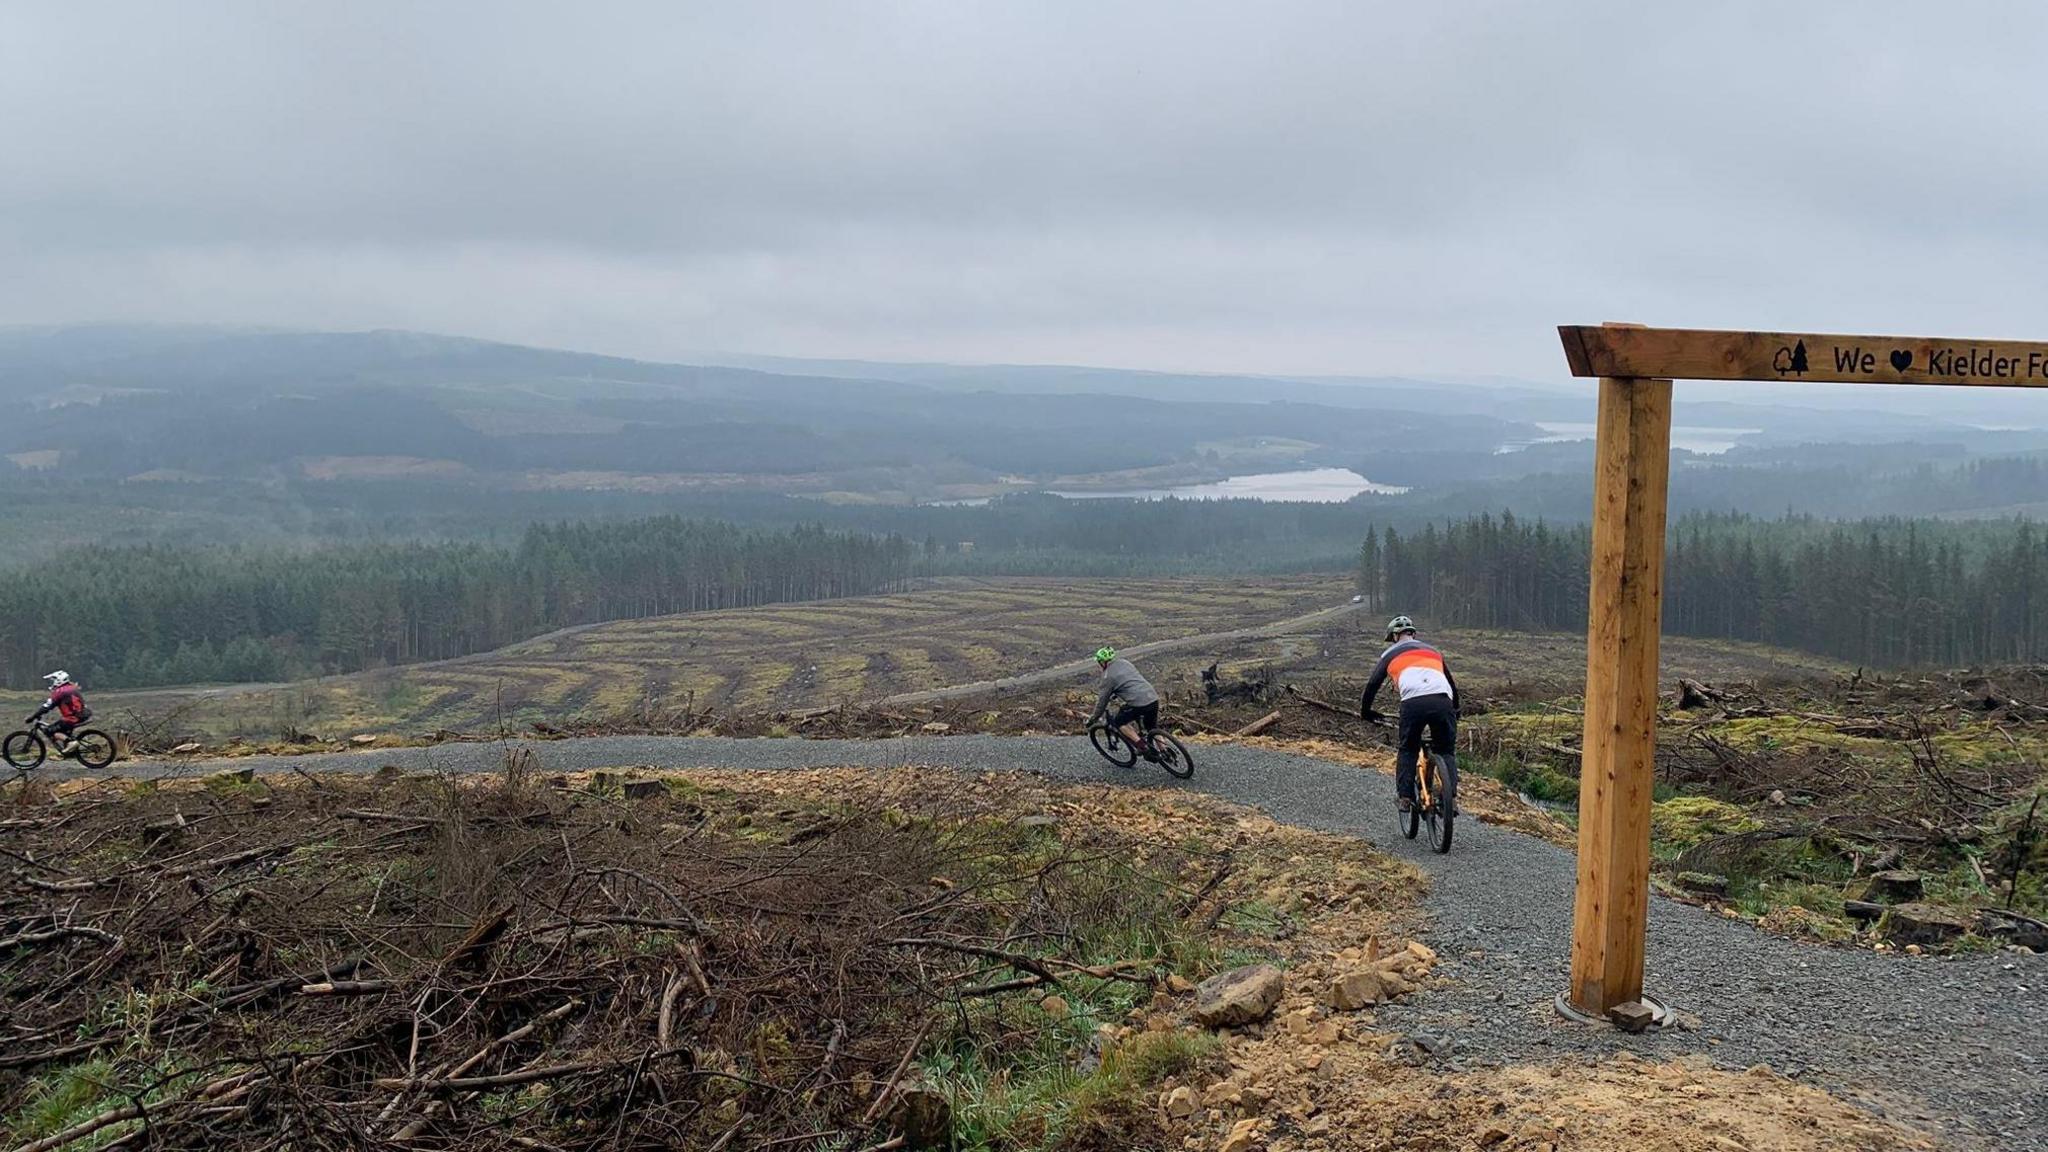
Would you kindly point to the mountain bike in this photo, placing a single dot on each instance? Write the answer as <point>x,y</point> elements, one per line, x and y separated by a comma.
<point>28,747</point>
<point>1430,805</point>
<point>1165,749</point>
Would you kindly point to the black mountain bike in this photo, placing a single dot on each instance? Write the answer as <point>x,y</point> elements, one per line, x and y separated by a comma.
<point>28,747</point>
<point>1166,749</point>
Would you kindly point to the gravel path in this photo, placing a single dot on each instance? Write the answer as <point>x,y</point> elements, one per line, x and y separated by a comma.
<point>1959,1046</point>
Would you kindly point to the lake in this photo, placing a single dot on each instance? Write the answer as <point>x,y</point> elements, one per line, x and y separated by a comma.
<point>1706,440</point>
<point>1305,486</point>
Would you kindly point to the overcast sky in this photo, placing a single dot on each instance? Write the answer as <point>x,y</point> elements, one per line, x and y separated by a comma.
<point>1293,187</point>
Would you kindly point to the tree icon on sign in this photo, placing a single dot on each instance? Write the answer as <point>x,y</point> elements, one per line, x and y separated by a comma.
<point>1791,360</point>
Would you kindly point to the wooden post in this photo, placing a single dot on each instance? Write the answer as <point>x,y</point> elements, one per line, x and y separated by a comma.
<point>1632,469</point>
<point>1633,462</point>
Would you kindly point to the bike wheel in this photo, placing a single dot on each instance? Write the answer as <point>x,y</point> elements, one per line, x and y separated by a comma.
<point>1112,746</point>
<point>1440,809</point>
<point>24,750</point>
<point>1173,755</point>
<point>93,748</point>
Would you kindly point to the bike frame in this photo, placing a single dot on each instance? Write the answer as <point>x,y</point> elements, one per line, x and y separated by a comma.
<point>1423,762</point>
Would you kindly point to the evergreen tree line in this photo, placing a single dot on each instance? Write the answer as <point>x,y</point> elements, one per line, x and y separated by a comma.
<point>136,617</point>
<point>1882,592</point>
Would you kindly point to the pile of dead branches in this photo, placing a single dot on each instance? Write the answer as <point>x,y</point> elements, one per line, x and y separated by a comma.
<point>422,962</point>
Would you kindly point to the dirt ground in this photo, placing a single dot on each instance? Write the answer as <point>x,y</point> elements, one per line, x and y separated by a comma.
<point>1114,1057</point>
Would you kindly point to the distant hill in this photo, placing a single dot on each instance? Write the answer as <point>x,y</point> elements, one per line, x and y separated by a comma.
<point>129,401</point>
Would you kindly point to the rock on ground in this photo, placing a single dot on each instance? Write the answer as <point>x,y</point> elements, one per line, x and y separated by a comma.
<point>1238,997</point>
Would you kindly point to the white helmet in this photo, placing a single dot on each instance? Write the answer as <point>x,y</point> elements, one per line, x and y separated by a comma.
<point>57,678</point>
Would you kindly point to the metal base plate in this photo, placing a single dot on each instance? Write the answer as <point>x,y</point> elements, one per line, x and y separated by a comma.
<point>1571,1012</point>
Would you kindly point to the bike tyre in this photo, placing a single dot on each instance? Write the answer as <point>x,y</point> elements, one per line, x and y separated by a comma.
<point>1440,812</point>
<point>1108,743</point>
<point>94,749</point>
<point>24,750</point>
<point>1173,755</point>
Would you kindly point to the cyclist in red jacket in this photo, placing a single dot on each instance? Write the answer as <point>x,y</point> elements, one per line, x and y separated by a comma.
<point>69,704</point>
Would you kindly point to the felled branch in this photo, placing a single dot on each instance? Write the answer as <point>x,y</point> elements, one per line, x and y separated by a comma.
<point>524,1075</point>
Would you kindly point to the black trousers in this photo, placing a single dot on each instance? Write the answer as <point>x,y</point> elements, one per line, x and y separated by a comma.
<point>1438,716</point>
<point>1144,714</point>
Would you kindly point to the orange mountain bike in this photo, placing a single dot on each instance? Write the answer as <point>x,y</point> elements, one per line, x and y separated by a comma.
<point>1432,806</point>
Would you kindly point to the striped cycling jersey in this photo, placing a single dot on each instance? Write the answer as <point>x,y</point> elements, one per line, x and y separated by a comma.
<point>1416,669</point>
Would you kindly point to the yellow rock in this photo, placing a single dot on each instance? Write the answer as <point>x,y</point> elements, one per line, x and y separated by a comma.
<point>1244,1136</point>
<point>1359,989</point>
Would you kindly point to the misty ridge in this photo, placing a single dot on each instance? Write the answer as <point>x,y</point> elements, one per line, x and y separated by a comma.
<point>324,420</point>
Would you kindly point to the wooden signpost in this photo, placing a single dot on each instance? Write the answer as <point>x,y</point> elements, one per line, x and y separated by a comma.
<point>1632,458</point>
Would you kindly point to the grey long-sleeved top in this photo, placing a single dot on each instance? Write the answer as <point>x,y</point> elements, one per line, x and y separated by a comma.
<point>1122,681</point>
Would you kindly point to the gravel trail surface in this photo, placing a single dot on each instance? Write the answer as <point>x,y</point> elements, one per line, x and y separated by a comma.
<point>1958,1046</point>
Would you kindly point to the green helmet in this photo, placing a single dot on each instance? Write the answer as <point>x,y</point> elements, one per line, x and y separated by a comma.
<point>1398,625</point>
<point>1104,655</point>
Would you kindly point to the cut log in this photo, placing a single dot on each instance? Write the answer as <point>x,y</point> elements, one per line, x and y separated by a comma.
<point>481,936</point>
<point>1260,725</point>
<point>2013,928</point>
<point>1693,695</point>
<point>1324,705</point>
<point>347,988</point>
<point>1702,883</point>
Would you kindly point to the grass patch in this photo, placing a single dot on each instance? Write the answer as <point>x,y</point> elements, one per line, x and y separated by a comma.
<point>58,1100</point>
<point>1532,778</point>
<point>1061,1097</point>
<point>1684,822</point>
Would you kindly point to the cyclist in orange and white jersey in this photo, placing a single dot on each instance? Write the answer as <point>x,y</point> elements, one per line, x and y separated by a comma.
<point>1429,702</point>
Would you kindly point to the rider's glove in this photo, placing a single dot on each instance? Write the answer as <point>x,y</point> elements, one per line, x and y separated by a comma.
<point>1373,716</point>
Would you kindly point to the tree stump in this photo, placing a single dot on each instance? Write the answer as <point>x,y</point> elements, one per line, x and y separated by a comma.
<point>1923,924</point>
<point>1893,887</point>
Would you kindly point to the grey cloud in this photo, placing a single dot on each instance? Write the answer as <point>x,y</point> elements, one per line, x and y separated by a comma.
<point>1334,187</point>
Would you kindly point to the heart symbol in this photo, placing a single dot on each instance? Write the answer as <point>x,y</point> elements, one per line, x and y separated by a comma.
<point>1902,360</point>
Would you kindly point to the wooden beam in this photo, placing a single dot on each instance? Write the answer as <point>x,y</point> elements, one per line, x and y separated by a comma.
<point>1611,910</point>
<point>1697,354</point>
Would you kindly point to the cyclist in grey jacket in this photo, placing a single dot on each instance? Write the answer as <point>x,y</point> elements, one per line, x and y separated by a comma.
<point>1121,681</point>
